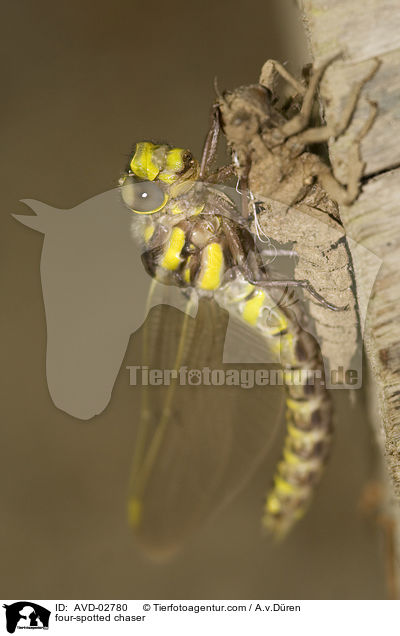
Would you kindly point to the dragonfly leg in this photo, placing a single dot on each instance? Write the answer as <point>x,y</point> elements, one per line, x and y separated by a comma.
<point>299,283</point>
<point>245,190</point>
<point>324,133</point>
<point>211,143</point>
<point>270,68</point>
<point>300,121</point>
<point>289,253</point>
<point>222,174</point>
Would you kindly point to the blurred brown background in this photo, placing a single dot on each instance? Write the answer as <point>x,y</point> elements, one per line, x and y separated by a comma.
<point>81,82</point>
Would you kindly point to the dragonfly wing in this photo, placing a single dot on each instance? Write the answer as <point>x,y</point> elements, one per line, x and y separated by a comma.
<point>198,441</point>
<point>244,345</point>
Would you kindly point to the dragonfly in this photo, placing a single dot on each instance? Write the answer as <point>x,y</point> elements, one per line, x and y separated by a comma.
<point>195,237</point>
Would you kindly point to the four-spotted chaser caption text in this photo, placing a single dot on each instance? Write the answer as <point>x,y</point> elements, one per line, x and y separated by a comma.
<point>177,617</point>
<point>123,613</point>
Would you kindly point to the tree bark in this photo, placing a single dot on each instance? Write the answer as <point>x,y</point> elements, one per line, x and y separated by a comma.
<point>363,30</point>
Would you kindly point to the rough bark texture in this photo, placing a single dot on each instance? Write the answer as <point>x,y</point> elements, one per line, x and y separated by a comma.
<point>294,208</point>
<point>322,260</point>
<point>363,30</point>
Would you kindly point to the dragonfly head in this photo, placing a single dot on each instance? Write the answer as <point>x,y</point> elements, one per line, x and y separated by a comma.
<point>155,175</point>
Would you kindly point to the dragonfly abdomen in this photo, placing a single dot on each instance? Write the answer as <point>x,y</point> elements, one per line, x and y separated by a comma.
<point>306,449</point>
<point>308,405</point>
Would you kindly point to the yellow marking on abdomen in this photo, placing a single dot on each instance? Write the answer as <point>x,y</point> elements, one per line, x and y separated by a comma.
<point>212,263</point>
<point>291,458</point>
<point>245,292</point>
<point>280,326</point>
<point>304,407</point>
<point>283,487</point>
<point>172,256</point>
<point>252,308</point>
<point>273,504</point>
<point>306,439</point>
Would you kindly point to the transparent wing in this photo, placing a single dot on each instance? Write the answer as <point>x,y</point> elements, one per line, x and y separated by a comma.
<point>198,441</point>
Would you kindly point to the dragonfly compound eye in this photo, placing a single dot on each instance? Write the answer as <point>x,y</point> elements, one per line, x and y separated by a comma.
<point>143,197</point>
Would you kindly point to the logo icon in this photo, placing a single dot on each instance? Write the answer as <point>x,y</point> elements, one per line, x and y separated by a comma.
<point>26,615</point>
